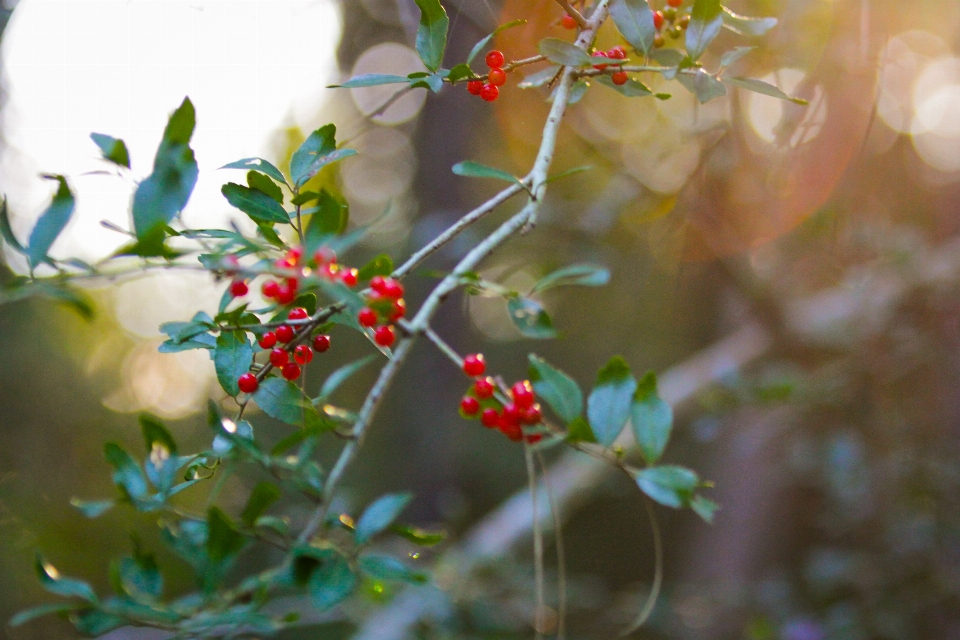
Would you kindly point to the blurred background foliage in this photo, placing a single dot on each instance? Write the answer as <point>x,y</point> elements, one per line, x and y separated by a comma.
<point>834,228</point>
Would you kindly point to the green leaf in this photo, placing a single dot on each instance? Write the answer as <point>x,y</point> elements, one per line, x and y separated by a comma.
<point>380,515</point>
<point>585,275</point>
<point>577,91</point>
<point>232,358</point>
<point>161,463</point>
<point>579,431</point>
<point>163,194</point>
<point>260,182</point>
<point>43,610</point>
<point>652,419</point>
<point>389,569</point>
<point>539,78</point>
<point>51,223</point>
<point>608,406</point>
<point>316,152</point>
<point>471,169</point>
<point>262,496</point>
<point>331,583</point>
<point>370,80</point>
<point>126,473</point>
<point>257,164</point>
<point>759,86</point>
<point>530,318</point>
<point>556,388</point>
<point>630,89</point>
<point>747,26</point>
<point>328,218</point>
<point>92,508</point>
<point>433,81</point>
<point>255,203</point>
<point>341,375</point>
<point>568,172</point>
<point>381,265</point>
<point>432,33</point>
<point>419,536</point>
<point>669,485</point>
<point>223,539</point>
<point>113,149</point>
<point>634,20</point>
<point>156,434</point>
<point>140,576</point>
<point>704,507</point>
<point>477,48</point>
<point>733,55</point>
<point>706,20</point>
<point>93,622</point>
<point>563,53</point>
<point>74,298</point>
<point>704,86</point>
<point>7,231</point>
<point>461,72</point>
<point>56,584</point>
<point>283,400</point>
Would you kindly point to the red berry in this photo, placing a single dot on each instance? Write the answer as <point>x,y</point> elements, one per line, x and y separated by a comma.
<point>619,77</point>
<point>510,415</point>
<point>367,317</point>
<point>323,255</point>
<point>534,438</point>
<point>617,53</point>
<point>495,59</point>
<point>489,418</point>
<point>286,294</point>
<point>285,333</point>
<point>239,288</point>
<point>377,283</point>
<point>511,429</point>
<point>248,383</point>
<point>268,340</point>
<point>290,371</point>
<point>392,289</point>
<point>522,394</point>
<point>298,314</point>
<point>321,343</point>
<point>531,415</point>
<point>489,92</point>
<point>469,405</point>
<point>384,336</point>
<point>600,54</point>
<point>474,87</point>
<point>399,310</point>
<point>674,3</point>
<point>270,289</point>
<point>483,388</point>
<point>302,354</point>
<point>293,256</point>
<point>279,357</point>
<point>497,77</point>
<point>657,19</point>
<point>349,277</point>
<point>474,365</point>
<point>568,21</point>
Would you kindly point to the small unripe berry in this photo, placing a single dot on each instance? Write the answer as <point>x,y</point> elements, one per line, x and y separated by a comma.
<point>489,92</point>
<point>302,354</point>
<point>268,340</point>
<point>290,371</point>
<point>483,388</point>
<point>474,365</point>
<point>568,21</point>
<point>384,336</point>
<point>684,21</point>
<point>248,383</point>
<point>619,78</point>
<point>489,418</point>
<point>495,59</point>
<point>674,32</point>
<point>270,289</point>
<point>531,415</point>
<point>474,87</point>
<point>321,343</point>
<point>279,357</point>
<point>239,288</point>
<point>670,13</point>
<point>469,405</point>
<point>497,77</point>
<point>367,317</point>
<point>522,394</point>
<point>285,333</point>
<point>657,19</point>
<point>658,41</point>
<point>298,314</point>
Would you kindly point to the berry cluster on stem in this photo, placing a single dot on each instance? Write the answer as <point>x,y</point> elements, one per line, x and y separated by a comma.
<point>509,417</point>
<point>385,306</point>
<point>496,78</point>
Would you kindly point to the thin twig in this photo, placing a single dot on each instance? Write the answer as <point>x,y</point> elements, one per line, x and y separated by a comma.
<point>561,556</point>
<point>540,606</point>
<point>573,13</point>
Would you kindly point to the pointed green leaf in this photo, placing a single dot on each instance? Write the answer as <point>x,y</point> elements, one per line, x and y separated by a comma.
<point>140,576</point>
<point>283,400</point>
<point>671,486</point>
<point>317,151</point>
<point>370,80</point>
<point>155,434</point>
<point>223,539</point>
<point>608,406</point>
<point>539,78</point>
<point>261,182</point>
<point>113,149</point>
<point>652,419</point>
<point>51,223</point>
<point>380,515</point>
<point>257,164</point>
<point>92,508</point>
<point>341,375</point>
<point>94,622</point>
<point>7,231</point>
<point>262,496</point>
<point>530,318</point>
<point>733,55</point>
<point>328,218</point>
<point>759,86</point>
<point>255,203</point>
<point>747,26</point>
<point>706,20</point>
<point>419,536</point>
<point>432,33</point>
<point>704,86</point>
<point>232,358</point>
<point>331,583</point>
<point>630,89</point>
<point>556,388</point>
<point>704,507</point>
<point>56,584</point>
<point>471,169</point>
<point>43,610</point>
<point>584,275</point>
<point>381,265</point>
<point>634,20</point>
<point>477,48</point>
<point>389,569</point>
<point>579,431</point>
<point>563,53</point>
<point>126,473</point>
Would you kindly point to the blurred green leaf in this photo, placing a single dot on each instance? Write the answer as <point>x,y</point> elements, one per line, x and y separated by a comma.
<point>477,48</point>
<point>341,375</point>
<point>608,406</point>
<point>389,569</point>
<point>630,89</point>
<point>556,388</point>
<point>530,318</point>
<point>92,508</point>
<point>652,419</point>
<point>56,584</point>
<point>285,401</point>
<point>759,86</point>
<point>585,275</point>
<point>380,515</point>
<point>704,507</point>
<point>76,299</point>
<point>634,20</point>
<point>316,152</point>
<point>706,20</point>
<point>381,265</point>
<point>703,85</point>
<point>223,539</point>
<point>327,219</point>
<point>419,536</point>
<point>51,222</point>
<point>671,486</point>
<point>539,78</point>
<point>257,164</point>
<point>261,182</point>
<point>563,53</point>
<point>470,169</point>
<point>126,473</point>
<point>94,622</point>
<point>43,610</point>
<point>262,496</point>
<point>113,149</point>
<point>331,583</point>
<point>579,431</point>
<point>747,26</point>
<point>370,80</point>
<point>7,231</point>
<point>140,576</point>
<point>232,358</point>
<point>733,55</point>
<point>154,433</point>
<point>255,203</point>
<point>432,33</point>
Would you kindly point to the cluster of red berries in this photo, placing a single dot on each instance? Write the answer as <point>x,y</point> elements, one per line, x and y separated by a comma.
<point>385,305</point>
<point>617,53</point>
<point>670,15</point>
<point>490,90</point>
<point>508,418</point>
<point>323,262</point>
<point>288,361</point>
